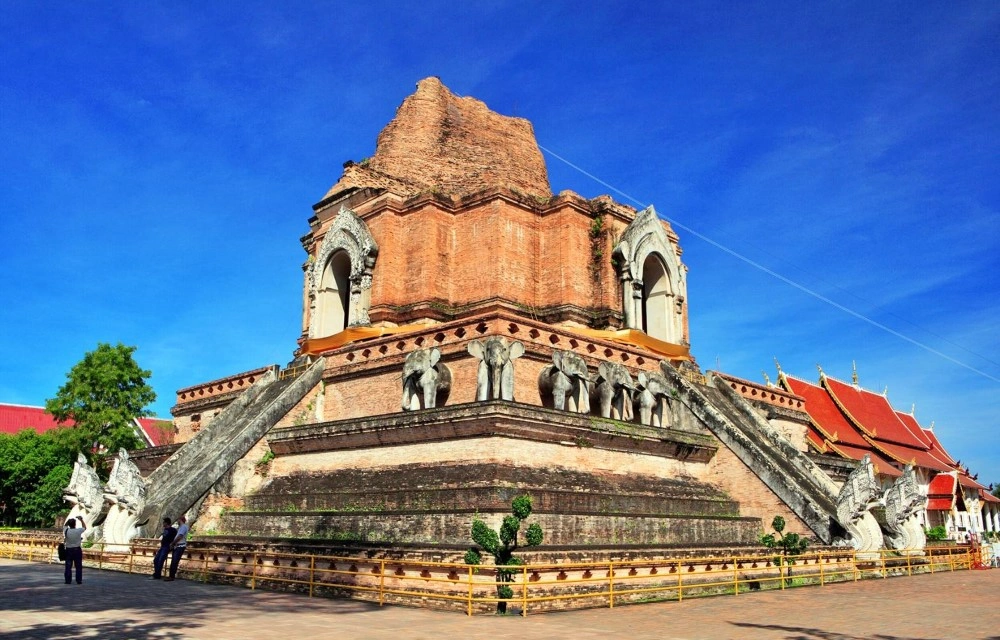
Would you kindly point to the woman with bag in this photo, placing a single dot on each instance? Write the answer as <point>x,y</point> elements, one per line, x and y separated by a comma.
<point>74,549</point>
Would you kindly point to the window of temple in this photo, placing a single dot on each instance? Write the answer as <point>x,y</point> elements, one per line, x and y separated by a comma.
<point>334,295</point>
<point>656,297</point>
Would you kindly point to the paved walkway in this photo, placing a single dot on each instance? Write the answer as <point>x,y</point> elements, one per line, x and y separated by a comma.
<point>35,603</point>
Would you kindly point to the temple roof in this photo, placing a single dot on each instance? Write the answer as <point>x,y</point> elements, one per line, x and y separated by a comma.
<point>831,429</point>
<point>15,418</point>
<point>449,144</point>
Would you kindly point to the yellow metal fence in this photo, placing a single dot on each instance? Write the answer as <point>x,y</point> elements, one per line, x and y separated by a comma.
<point>535,587</point>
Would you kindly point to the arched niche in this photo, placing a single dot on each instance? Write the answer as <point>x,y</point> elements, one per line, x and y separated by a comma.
<point>340,278</point>
<point>656,299</point>
<point>653,285</point>
<point>333,296</point>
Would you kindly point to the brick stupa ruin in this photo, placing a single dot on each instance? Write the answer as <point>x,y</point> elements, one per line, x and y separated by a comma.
<point>467,337</point>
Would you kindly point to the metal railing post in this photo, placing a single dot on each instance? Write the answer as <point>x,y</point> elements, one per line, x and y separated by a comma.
<point>611,585</point>
<point>312,575</point>
<point>736,578</point>
<point>524,591</point>
<point>820,560</point>
<point>381,582</point>
<point>881,556</point>
<point>680,583</point>
<point>470,590</point>
<point>781,571</point>
<point>253,574</point>
<point>909,566</point>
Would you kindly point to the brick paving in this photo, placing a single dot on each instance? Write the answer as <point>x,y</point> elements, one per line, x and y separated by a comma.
<point>35,603</point>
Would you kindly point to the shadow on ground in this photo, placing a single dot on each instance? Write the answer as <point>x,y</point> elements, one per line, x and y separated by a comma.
<point>805,633</point>
<point>175,607</point>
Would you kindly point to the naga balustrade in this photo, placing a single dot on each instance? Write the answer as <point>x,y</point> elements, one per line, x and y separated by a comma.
<point>536,587</point>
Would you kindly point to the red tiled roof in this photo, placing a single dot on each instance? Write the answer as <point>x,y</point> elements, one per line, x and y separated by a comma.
<point>15,417</point>
<point>984,494</point>
<point>940,504</point>
<point>160,432</point>
<point>943,484</point>
<point>872,413</point>
<point>938,450</point>
<point>825,415</point>
<point>909,455</point>
<point>968,481</point>
<point>914,427</point>
<point>882,466</point>
<point>816,439</point>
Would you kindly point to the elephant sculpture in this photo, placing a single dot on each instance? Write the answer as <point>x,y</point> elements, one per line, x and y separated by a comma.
<point>425,379</point>
<point>495,377</point>
<point>566,381</point>
<point>614,389</point>
<point>653,399</point>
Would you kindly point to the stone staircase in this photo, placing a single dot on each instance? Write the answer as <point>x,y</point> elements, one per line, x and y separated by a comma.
<point>190,472</point>
<point>792,475</point>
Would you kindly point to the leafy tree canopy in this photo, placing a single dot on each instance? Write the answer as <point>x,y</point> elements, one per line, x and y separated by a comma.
<point>996,489</point>
<point>34,470</point>
<point>102,394</point>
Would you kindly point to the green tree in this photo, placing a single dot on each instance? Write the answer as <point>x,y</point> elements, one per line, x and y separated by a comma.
<point>790,544</point>
<point>34,470</point>
<point>503,544</point>
<point>102,395</point>
<point>996,489</point>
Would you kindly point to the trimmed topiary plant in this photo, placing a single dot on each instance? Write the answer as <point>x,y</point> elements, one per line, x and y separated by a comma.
<point>503,544</point>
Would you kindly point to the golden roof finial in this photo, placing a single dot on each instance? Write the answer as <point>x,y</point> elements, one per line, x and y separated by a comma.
<point>932,426</point>
<point>854,374</point>
<point>913,408</point>
<point>820,370</point>
<point>766,378</point>
<point>885,391</point>
<point>777,364</point>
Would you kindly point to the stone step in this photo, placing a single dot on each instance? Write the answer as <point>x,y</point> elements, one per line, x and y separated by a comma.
<point>454,528</point>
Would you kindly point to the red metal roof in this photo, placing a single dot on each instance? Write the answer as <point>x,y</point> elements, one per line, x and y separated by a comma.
<point>16,417</point>
<point>966,480</point>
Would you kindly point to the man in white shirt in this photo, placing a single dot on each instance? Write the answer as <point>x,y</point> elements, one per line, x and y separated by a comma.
<point>178,546</point>
<point>74,549</point>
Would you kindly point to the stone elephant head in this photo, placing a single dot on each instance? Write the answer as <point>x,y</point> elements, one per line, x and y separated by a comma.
<point>652,399</point>
<point>495,376</point>
<point>614,389</point>
<point>566,380</point>
<point>425,378</point>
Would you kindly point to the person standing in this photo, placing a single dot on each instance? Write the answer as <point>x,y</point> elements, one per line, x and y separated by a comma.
<point>178,546</point>
<point>74,549</point>
<point>161,555</point>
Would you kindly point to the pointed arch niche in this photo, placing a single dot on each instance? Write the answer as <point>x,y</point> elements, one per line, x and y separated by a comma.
<point>340,278</point>
<point>653,286</point>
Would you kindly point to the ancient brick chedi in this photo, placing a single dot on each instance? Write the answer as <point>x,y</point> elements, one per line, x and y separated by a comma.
<point>467,336</point>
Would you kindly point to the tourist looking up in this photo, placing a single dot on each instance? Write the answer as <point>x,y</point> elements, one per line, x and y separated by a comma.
<point>74,549</point>
<point>178,546</point>
<point>161,555</point>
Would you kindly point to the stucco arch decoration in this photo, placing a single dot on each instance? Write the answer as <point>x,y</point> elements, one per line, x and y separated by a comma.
<point>643,237</point>
<point>346,233</point>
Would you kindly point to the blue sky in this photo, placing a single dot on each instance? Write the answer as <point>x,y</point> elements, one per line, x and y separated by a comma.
<point>159,161</point>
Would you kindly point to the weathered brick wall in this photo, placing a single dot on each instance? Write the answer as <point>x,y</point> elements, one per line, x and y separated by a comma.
<point>728,472</point>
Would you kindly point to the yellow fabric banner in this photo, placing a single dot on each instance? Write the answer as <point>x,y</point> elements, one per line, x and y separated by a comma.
<point>632,337</point>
